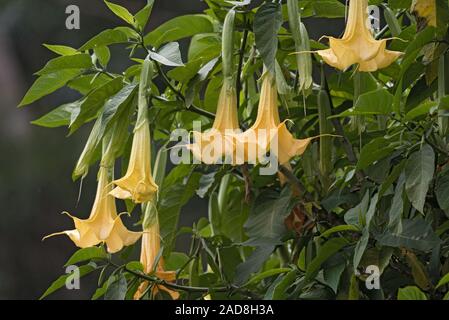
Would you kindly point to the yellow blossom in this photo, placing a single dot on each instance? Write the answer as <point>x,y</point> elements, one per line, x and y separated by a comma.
<point>216,143</point>
<point>103,225</point>
<point>268,132</point>
<point>138,183</point>
<point>358,46</point>
<point>151,245</point>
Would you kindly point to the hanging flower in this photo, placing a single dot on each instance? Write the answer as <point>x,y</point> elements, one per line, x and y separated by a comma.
<point>358,45</point>
<point>103,225</point>
<point>138,183</point>
<point>211,146</point>
<point>268,133</point>
<point>151,245</point>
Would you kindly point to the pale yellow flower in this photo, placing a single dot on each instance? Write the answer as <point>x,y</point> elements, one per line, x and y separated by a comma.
<point>268,130</point>
<point>358,46</point>
<point>151,245</point>
<point>103,225</point>
<point>138,183</point>
<point>214,144</point>
<point>426,9</point>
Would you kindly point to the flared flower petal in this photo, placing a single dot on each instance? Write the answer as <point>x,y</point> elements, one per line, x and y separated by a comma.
<point>151,245</point>
<point>103,225</point>
<point>138,183</point>
<point>358,46</point>
<point>268,134</point>
<point>217,143</point>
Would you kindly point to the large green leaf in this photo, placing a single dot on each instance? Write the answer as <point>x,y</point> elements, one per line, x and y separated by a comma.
<point>91,105</point>
<point>121,12</point>
<point>327,250</point>
<point>267,23</point>
<point>58,117</point>
<point>178,188</point>
<point>266,219</point>
<point>411,293</point>
<point>105,38</point>
<point>415,234</point>
<point>371,103</point>
<point>373,151</point>
<point>75,61</point>
<point>48,83</point>
<point>419,173</point>
<point>169,55</point>
<point>179,28</point>
<point>61,281</point>
<point>442,191</point>
<point>86,254</point>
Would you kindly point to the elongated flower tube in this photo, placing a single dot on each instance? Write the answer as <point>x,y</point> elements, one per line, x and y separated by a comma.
<point>358,46</point>
<point>151,245</point>
<point>268,132</point>
<point>103,224</point>
<point>213,145</point>
<point>138,183</point>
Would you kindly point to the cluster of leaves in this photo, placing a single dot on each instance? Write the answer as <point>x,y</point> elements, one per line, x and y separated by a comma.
<point>384,200</point>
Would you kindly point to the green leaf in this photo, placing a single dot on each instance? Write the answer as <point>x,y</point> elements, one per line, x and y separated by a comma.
<point>327,250</point>
<point>277,291</point>
<point>419,173</point>
<point>61,281</point>
<point>47,84</point>
<point>371,103</point>
<point>269,273</point>
<point>76,61</point>
<point>169,55</point>
<point>411,293</point>
<point>141,18</point>
<point>373,151</point>
<point>179,28</point>
<point>415,234</point>
<point>178,187</point>
<point>103,55</point>
<point>117,289</point>
<point>443,281</point>
<point>442,191</point>
<point>267,218</point>
<point>61,50</point>
<point>93,102</point>
<point>421,110</point>
<point>58,117</point>
<point>356,216</point>
<point>116,104</point>
<point>121,12</point>
<point>360,247</point>
<point>340,228</point>
<point>267,22</point>
<point>322,8</point>
<point>105,38</point>
<point>253,263</point>
<point>87,254</point>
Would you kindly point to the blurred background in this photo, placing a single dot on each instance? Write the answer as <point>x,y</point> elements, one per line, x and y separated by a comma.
<point>36,163</point>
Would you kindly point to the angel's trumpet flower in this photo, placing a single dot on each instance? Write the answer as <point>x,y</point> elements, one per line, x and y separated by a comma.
<point>103,225</point>
<point>151,245</point>
<point>216,143</point>
<point>358,46</point>
<point>138,183</point>
<point>268,133</point>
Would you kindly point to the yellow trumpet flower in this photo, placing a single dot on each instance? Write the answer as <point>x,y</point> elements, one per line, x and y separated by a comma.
<point>151,245</point>
<point>211,146</point>
<point>358,45</point>
<point>268,132</point>
<point>138,183</point>
<point>103,225</point>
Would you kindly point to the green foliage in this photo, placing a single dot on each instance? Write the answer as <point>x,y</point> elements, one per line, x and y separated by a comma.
<point>375,192</point>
